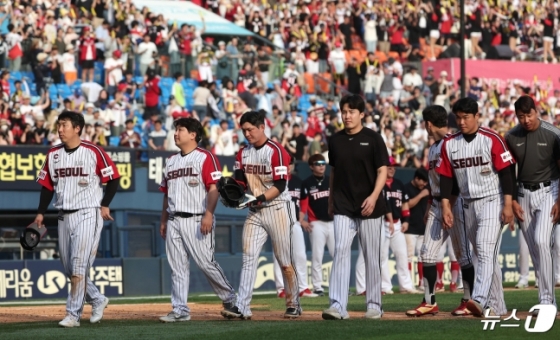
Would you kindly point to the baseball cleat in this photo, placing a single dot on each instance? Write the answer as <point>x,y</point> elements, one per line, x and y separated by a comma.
<point>440,287</point>
<point>452,287</point>
<point>282,294</point>
<point>292,313</point>
<point>373,314</point>
<point>558,283</point>
<point>536,283</point>
<point>475,308</point>
<point>411,291</point>
<point>69,322</point>
<point>521,285</point>
<point>234,313</point>
<point>361,294</point>
<point>319,292</point>
<point>307,293</point>
<point>174,317</point>
<point>333,314</point>
<point>385,292</point>
<point>423,309</point>
<point>97,311</point>
<point>462,309</point>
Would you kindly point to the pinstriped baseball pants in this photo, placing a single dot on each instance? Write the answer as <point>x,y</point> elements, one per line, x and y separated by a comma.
<point>539,231</point>
<point>184,241</point>
<point>370,232</point>
<point>484,231</point>
<point>276,221</point>
<point>78,240</point>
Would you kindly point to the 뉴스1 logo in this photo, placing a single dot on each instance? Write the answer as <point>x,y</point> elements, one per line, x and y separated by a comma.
<point>544,322</point>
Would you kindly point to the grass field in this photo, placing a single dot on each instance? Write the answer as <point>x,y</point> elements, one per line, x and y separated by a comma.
<point>355,328</point>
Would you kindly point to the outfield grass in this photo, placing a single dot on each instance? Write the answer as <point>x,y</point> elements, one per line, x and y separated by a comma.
<point>421,328</point>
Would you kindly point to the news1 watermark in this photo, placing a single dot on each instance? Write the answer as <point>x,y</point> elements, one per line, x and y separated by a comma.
<point>543,323</point>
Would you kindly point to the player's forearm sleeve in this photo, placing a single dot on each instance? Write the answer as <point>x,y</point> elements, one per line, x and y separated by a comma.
<point>506,181</point>
<point>110,191</point>
<point>446,186</point>
<point>44,200</point>
<point>280,184</point>
<point>513,182</point>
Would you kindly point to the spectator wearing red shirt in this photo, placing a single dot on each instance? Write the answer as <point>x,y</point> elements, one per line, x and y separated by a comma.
<point>314,127</point>
<point>88,54</point>
<point>129,137</point>
<point>397,34</point>
<point>151,99</point>
<point>186,36</point>
<point>5,84</point>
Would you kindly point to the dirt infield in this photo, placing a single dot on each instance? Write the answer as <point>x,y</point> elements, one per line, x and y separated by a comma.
<point>199,312</point>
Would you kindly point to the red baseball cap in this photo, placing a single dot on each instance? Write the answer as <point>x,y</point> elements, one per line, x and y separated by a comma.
<point>393,162</point>
<point>117,54</point>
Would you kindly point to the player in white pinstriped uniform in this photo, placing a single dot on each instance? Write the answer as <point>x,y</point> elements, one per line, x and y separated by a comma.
<point>75,170</point>
<point>435,235</point>
<point>187,218</point>
<point>358,157</point>
<point>262,167</point>
<point>535,144</point>
<point>479,160</point>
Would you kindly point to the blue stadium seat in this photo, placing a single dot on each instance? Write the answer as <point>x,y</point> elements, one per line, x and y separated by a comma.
<point>29,75</point>
<point>114,141</point>
<point>139,80</point>
<point>167,82</point>
<point>16,75</point>
<point>218,82</point>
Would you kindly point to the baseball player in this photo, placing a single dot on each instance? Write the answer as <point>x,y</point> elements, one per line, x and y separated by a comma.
<point>358,159</point>
<point>263,168</point>
<point>300,254</point>
<point>479,161</point>
<point>435,235</point>
<point>523,262</point>
<point>74,170</point>
<point>187,218</point>
<point>417,192</point>
<point>535,145</point>
<point>319,225</point>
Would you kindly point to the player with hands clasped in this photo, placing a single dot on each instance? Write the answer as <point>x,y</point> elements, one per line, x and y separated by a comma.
<point>262,167</point>
<point>74,170</point>
<point>479,161</point>
<point>436,233</point>
<point>358,159</point>
<point>535,145</point>
<point>187,218</point>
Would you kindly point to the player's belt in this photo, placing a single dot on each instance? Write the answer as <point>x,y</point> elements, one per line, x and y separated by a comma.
<point>66,212</point>
<point>184,214</point>
<point>535,186</point>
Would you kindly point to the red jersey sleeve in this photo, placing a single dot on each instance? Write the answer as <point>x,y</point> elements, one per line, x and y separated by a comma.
<point>443,165</point>
<point>106,169</point>
<point>501,157</point>
<point>163,184</point>
<point>45,176</point>
<point>280,162</point>
<point>211,170</point>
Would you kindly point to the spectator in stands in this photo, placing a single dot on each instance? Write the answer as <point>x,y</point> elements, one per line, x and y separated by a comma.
<point>68,65</point>
<point>201,96</point>
<point>297,144</point>
<point>223,140</point>
<point>147,51</point>
<point>114,71</point>
<point>177,90</point>
<point>130,138</point>
<point>15,51</point>
<point>158,137</point>
<point>152,93</point>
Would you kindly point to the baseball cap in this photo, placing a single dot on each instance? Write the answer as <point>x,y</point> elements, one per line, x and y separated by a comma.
<point>393,162</point>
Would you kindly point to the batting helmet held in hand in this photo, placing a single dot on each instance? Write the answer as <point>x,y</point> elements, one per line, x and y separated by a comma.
<point>31,236</point>
<point>231,193</point>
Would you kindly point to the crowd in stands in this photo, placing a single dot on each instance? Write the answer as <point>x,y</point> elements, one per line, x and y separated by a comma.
<point>132,73</point>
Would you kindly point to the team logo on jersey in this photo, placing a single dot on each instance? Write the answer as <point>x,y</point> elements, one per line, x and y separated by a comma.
<point>435,162</point>
<point>183,172</point>
<point>69,172</point>
<point>42,174</point>
<point>108,171</point>
<point>468,162</point>
<point>280,170</point>
<point>485,171</point>
<point>83,183</point>
<point>193,182</point>
<point>506,156</point>
<point>56,160</point>
<point>320,194</point>
<point>216,175</point>
<point>257,169</point>
<point>237,165</point>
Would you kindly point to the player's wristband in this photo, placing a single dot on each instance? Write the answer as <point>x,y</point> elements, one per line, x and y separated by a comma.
<point>261,198</point>
<point>405,216</point>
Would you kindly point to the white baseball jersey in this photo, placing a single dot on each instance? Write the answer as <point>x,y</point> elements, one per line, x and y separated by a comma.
<point>76,175</point>
<point>475,164</point>
<point>434,154</point>
<point>263,166</point>
<point>187,178</point>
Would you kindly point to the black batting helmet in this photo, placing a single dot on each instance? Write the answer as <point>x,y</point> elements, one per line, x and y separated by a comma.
<point>231,193</point>
<point>31,236</point>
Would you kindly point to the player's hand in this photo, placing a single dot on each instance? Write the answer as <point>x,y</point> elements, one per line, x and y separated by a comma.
<point>391,228</point>
<point>163,230</point>
<point>518,211</point>
<point>106,214</point>
<point>447,218</point>
<point>507,215</point>
<point>555,213</point>
<point>424,193</point>
<point>426,216</point>
<point>368,205</point>
<point>306,226</point>
<point>404,227</point>
<point>206,223</point>
<point>39,220</point>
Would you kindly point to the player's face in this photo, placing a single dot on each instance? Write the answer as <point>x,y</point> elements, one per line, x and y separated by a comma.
<point>252,133</point>
<point>66,131</point>
<point>529,121</point>
<point>467,122</point>
<point>391,171</point>
<point>318,168</point>
<point>429,127</point>
<point>183,136</point>
<point>420,183</point>
<point>352,118</point>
